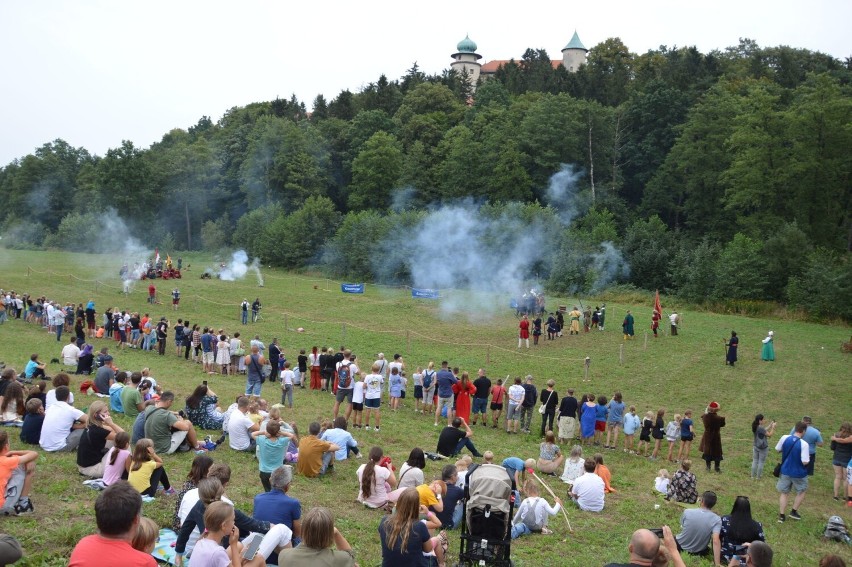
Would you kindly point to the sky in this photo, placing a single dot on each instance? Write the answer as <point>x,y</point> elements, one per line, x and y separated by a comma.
<point>95,73</point>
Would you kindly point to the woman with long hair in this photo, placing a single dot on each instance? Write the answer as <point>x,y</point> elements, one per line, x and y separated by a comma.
<point>318,535</point>
<point>200,466</point>
<point>404,537</point>
<point>411,471</point>
<point>841,444</point>
<point>761,444</point>
<point>463,389</point>
<point>658,432</point>
<point>99,437</point>
<point>550,457</point>
<point>13,407</point>
<point>374,480</point>
<point>739,528</point>
<point>201,408</point>
<point>118,463</point>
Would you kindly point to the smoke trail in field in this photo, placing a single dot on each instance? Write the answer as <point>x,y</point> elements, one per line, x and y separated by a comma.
<point>239,266</point>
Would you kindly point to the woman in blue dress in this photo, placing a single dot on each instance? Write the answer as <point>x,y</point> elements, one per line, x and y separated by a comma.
<point>768,352</point>
<point>587,419</point>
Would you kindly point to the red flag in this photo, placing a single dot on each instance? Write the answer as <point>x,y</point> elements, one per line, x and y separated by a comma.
<point>657,307</point>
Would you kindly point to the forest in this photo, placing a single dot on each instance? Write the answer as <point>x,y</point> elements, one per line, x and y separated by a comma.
<point>722,177</point>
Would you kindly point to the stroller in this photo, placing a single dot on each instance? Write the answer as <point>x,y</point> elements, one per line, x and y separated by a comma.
<point>487,517</point>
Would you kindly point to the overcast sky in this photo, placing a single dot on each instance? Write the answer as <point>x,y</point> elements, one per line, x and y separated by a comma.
<point>97,72</point>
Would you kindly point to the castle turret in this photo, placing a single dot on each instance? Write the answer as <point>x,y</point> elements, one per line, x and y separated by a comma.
<point>466,60</point>
<point>574,54</point>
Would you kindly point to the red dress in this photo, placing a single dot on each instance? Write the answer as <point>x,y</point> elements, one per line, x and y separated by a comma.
<point>525,329</point>
<point>463,399</point>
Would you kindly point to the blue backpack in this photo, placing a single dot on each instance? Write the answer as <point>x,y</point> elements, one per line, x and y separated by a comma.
<point>427,379</point>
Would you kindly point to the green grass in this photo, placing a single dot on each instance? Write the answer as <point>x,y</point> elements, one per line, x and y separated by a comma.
<point>672,372</point>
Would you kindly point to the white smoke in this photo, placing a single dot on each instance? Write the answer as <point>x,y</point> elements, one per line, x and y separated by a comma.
<point>609,265</point>
<point>239,266</point>
<point>562,193</point>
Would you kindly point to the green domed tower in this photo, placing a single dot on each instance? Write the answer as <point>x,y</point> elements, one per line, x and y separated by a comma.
<point>574,54</point>
<point>466,60</point>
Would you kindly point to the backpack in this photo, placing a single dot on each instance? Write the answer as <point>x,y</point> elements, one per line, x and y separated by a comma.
<point>836,530</point>
<point>344,376</point>
<point>427,380</point>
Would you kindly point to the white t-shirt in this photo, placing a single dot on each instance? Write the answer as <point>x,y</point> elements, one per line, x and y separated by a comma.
<point>673,319</point>
<point>238,434</point>
<point>70,354</point>
<point>398,366</point>
<point>353,371</point>
<point>373,386</point>
<point>516,394</point>
<point>358,393</point>
<point>287,377</point>
<point>661,485</point>
<point>418,379</point>
<point>589,489</point>
<point>57,425</point>
<point>50,398</point>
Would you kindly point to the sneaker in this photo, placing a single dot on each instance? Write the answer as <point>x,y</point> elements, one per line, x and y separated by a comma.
<point>359,456</point>
<point>367,428</point>
<point>377,429</point>
<point>781,518</point>
<point>170,491</point>
<point>25,509</point>
<point>795,515</point>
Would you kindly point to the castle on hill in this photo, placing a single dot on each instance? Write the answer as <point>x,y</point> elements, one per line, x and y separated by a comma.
<point>466,59</point>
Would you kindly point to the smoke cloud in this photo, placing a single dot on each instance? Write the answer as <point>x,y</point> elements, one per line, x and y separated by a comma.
<point>239,266</point>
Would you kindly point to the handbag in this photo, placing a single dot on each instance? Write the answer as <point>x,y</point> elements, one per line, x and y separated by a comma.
<point>542,409</point>
<point>776,472</point>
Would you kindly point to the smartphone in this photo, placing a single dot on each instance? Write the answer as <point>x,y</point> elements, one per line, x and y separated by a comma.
<point>251,547</point>
<point>204,382</point>
<point>657,532</point>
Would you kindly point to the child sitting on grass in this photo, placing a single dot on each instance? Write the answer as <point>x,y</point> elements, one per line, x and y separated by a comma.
<point>145,538</point>
<point>31,428</point>
<point>146,470</point>
<point>533,513</point>
<point>603,471</point>
<point>661,483</point>
<point>117,466</point>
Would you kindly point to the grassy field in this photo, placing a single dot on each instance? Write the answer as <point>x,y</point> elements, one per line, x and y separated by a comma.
<point>810,376</point>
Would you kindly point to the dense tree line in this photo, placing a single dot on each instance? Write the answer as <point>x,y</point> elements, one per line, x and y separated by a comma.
<point>720,176</point>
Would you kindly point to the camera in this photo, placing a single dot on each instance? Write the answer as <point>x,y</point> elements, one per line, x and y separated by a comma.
<point>657,532</point>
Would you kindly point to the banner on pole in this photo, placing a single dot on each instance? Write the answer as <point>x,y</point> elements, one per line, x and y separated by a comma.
<point>352,288</point>
<point>425,293</point>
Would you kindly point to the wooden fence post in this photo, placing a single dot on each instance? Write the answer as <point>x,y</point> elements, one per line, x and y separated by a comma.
<point>621,353</point>
<point>587,364</point>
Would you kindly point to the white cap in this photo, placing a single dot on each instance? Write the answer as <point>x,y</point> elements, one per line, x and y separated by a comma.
<point>771,333</point>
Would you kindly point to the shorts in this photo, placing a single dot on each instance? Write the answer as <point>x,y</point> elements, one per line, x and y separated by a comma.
<point>402,394</point>
<point>372,403</point>
<point>480,405</point>
<point>448,402</point>
<point>175,301</point>
<point>342,394</point>
<point>810,465</point>
<point>90,324</point>
<point>253,387</point>
<point>122,336</point>
<point>600,426</point>
<point>207,357</point>
<point>418,392</point>
<point>514,412</point>
<point>689,437</point>
<point>357,407</point>
<point>643,436</point>
<point>177,439</point>
<point>612,424</point>
<point>785,483</point>
<point>496,407</point>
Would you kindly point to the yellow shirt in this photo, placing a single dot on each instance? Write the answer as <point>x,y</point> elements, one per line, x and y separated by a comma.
<point>427,497</point>
<point>141,479</point>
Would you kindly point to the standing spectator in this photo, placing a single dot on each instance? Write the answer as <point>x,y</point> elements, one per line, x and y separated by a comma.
<point>463,390</point>
<point>674,319</point>
<point>373,396</point>
<point>118,511</point>
<point>162,335</point>
<point>813,437</point>
<point>302,367</point>
<point>516,396</point>
<point>429,384</point>
<point>711,441</point>
<point>445,382</point>
<point>498,392</point>
<point>658,432</point>
<point>346,372</point>
<point>549,400</point>
<point>482,387</point>
<point>615,416</point>
<point>528,405</point>
<point>314,362</point>
<point>175,298</point>
<point>841,444</point>
<point>687,434</point>
<point>761,444</point>
<point>699,527</point>
<point>223,354</point>
<point>631,423</point>
<point>288,378</point>
<point>794,470</point>
<point>588,419</point>
<point>254,372</point>
<point>567,419</point>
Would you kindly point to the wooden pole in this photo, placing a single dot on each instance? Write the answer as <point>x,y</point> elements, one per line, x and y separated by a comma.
<point>587,364</point>
<point>570,529</point>
<point>621,353</point>
<point>646,341</point>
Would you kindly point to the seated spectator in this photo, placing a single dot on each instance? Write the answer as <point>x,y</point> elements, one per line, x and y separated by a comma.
<point>200,467</point>
<point>661,483</point>
<point>133,400</point>
<point>573,465</point>
<point>95,443</point>
<point>647,549</point>
<point>7,377</point>
<point>192,526</point>
<point>533,513</point>
<point>550,457</point>
<point>167,430</point>
<point>318,535</point>
<point>219,520</point>
<point>739,529</point>
<point>70,354</point>
<point>517,470</point>
<point>13,407</point>
<point>588,490</point>
<point>147,535</point>
<point>61,379</point>
<point>403,536</point>
<point>10,548</point>
<point>240,428</point>
<point>278,507</point>
<point>450,516</point>
<point>202,409</point>
<point>699,527</point>
<point>603,471</point>
<point>452,439</point>
<point>117,512</point>
<point>85,361</point>
<point>63,424</point>
<point>146,470</point>
<point>759,554</point>
<point>34,369</point>
<point>682,488</point>
<point>374,480</point>
<point>16,471</point>
<point>33,420</point>
<point>39,392</point>
<point>315,455</point>
<point>342,438</point>
<point>115,403</point>
<point>411,471</point>
<point>118,460</point>
<point>221,472</point>
<point>105,375</point>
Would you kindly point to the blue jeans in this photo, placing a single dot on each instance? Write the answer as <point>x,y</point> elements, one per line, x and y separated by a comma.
<point>245,317</point>
<point>253,388</point>
<point>520,529</point>
<point>466,442</point>
<point>327,458</point>
<point>457,516</point>
<point>58,333</point>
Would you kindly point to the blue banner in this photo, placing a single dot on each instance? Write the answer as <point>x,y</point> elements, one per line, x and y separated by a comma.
<point>425,293</point>
<point>352,288</point>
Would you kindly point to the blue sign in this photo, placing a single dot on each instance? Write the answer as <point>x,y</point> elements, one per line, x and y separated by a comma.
<point>425,293</point>
<point>352,288</point>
